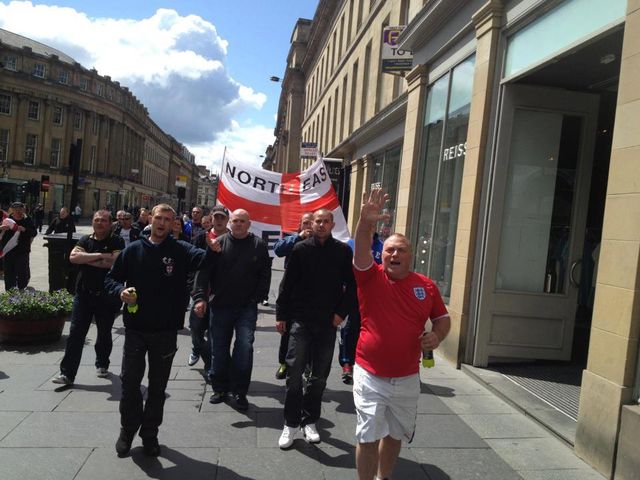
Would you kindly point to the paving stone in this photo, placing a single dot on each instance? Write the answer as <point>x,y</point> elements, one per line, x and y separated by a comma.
<point>298,462</point>
<point>504,426</point>
<point>523,454</point>
<point>432,404</point>
<point>173,463</point>
<point>463,464</point>
<point>589,474</point>
<point>9,420</point>
<point>452,387</point>
<point>478,404</point>
<point>41,463</point>
<point>34,402</point>
<point>445,431</point>
<point>64,429</point>
<point>81,400</point>
<point>222,429</point>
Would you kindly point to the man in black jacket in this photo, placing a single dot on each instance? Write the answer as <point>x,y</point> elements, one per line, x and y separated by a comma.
<point>317,292</point>
<point>61,224</point>
<point>16,261</point>
<point>238,280</point>
<point>150,276</point>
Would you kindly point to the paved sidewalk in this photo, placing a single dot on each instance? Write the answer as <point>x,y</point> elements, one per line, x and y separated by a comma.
<point>464,431</point>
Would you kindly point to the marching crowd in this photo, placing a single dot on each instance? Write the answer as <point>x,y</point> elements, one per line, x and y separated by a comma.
<point>212,265</point>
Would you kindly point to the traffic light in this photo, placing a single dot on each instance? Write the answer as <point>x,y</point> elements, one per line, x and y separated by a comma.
<point>181,192</point>
<point>23,189</point>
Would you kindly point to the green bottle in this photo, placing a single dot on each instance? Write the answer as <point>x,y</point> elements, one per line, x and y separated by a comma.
<point>133,308</point>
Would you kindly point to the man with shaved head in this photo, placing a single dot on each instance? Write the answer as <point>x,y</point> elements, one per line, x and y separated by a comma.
<point>316,294</point>
<point>237,281</point>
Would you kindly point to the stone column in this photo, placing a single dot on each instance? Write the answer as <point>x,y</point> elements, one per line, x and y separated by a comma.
<point>417,82</point>
<point>487,21</point>
<point>608,381</point>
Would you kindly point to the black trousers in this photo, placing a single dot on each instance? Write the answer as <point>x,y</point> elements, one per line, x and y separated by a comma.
<point>159,348</point>
<point>16,270</point>
<point>310,342</point>
<point>86,307</point>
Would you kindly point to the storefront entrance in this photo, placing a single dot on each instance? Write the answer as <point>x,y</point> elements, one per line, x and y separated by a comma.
<point>544,217</point>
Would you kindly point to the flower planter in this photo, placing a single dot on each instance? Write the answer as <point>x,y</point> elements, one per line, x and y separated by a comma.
<point>33,317</point>
<point>36,331</point>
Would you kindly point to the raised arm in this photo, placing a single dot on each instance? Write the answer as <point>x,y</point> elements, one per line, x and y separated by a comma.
<point>372,205</point>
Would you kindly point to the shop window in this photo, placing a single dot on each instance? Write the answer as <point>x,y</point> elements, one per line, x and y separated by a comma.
<point>440,174</point>
<point>384,168</point>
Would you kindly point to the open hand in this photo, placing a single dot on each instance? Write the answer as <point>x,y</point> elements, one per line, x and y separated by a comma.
<point>371,209</point>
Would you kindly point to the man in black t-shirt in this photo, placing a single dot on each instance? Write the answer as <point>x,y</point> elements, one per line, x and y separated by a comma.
<point>95,254</point>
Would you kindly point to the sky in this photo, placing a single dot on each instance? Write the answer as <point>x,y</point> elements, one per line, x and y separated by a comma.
<point>201,67</point>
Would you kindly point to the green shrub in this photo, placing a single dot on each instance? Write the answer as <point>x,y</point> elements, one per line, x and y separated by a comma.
<point>34,305</point>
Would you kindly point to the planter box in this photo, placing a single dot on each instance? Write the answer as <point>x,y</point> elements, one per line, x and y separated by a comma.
<point>31,331</point>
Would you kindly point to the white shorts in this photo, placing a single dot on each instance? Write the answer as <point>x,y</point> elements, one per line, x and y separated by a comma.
<point>385,406</point>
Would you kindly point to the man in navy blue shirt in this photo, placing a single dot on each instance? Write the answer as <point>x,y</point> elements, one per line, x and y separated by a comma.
<point>150,277</point>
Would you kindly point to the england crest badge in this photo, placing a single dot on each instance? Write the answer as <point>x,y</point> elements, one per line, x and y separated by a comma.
<point>420,293</point>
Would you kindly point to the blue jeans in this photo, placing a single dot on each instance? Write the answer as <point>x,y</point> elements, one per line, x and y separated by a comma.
<point>349,335</point>
<point>310,342</point>
<point>85,308</point>
<point>160,348</point>
<point>231,372</point>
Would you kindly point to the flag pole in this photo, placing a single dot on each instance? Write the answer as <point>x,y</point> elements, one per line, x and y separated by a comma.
<point>224,154</point>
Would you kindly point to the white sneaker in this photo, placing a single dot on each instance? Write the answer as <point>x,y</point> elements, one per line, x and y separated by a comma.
<point>311,434</point>
<point>287,437</point>
<point>193,359</point>
<point>102,372</point>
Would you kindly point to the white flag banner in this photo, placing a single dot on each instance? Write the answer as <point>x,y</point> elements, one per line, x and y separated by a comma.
<point>8,236</point>
<point>276,201</point>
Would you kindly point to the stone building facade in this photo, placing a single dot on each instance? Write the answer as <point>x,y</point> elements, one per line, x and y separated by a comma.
<point>510,153</point>
<point>49,101</point>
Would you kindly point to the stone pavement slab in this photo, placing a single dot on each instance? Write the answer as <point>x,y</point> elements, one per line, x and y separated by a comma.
<point>41,463</point>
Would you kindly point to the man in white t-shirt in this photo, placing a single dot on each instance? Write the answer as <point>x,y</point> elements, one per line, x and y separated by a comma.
<point>125,229</point>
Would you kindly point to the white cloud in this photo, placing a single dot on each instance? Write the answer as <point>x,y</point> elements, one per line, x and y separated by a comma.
<point>174,64</point>
<point>245,143</point>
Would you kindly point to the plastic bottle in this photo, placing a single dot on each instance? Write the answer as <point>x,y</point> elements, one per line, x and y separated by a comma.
<point>133,308</point>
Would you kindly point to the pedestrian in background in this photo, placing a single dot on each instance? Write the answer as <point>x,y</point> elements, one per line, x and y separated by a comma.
<point>95,255</point>
<point>62,223</point>
<point>237,281</point>
<point>283,248</point>
<point>17,272</point>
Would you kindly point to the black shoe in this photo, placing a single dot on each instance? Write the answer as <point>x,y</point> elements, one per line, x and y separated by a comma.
<point>218,397</point>
<point>123,444</point>
<point>242,403</point>
<point>150,446</point>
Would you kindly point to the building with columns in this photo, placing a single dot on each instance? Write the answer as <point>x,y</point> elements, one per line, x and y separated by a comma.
<point>510,153</point>
<point>49,101</point>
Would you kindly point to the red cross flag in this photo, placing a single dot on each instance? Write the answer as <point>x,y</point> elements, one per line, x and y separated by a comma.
<point>9,235</point>
<point>276,201</point>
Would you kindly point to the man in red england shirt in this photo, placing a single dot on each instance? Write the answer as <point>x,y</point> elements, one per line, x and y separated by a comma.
<point>395,304</point>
